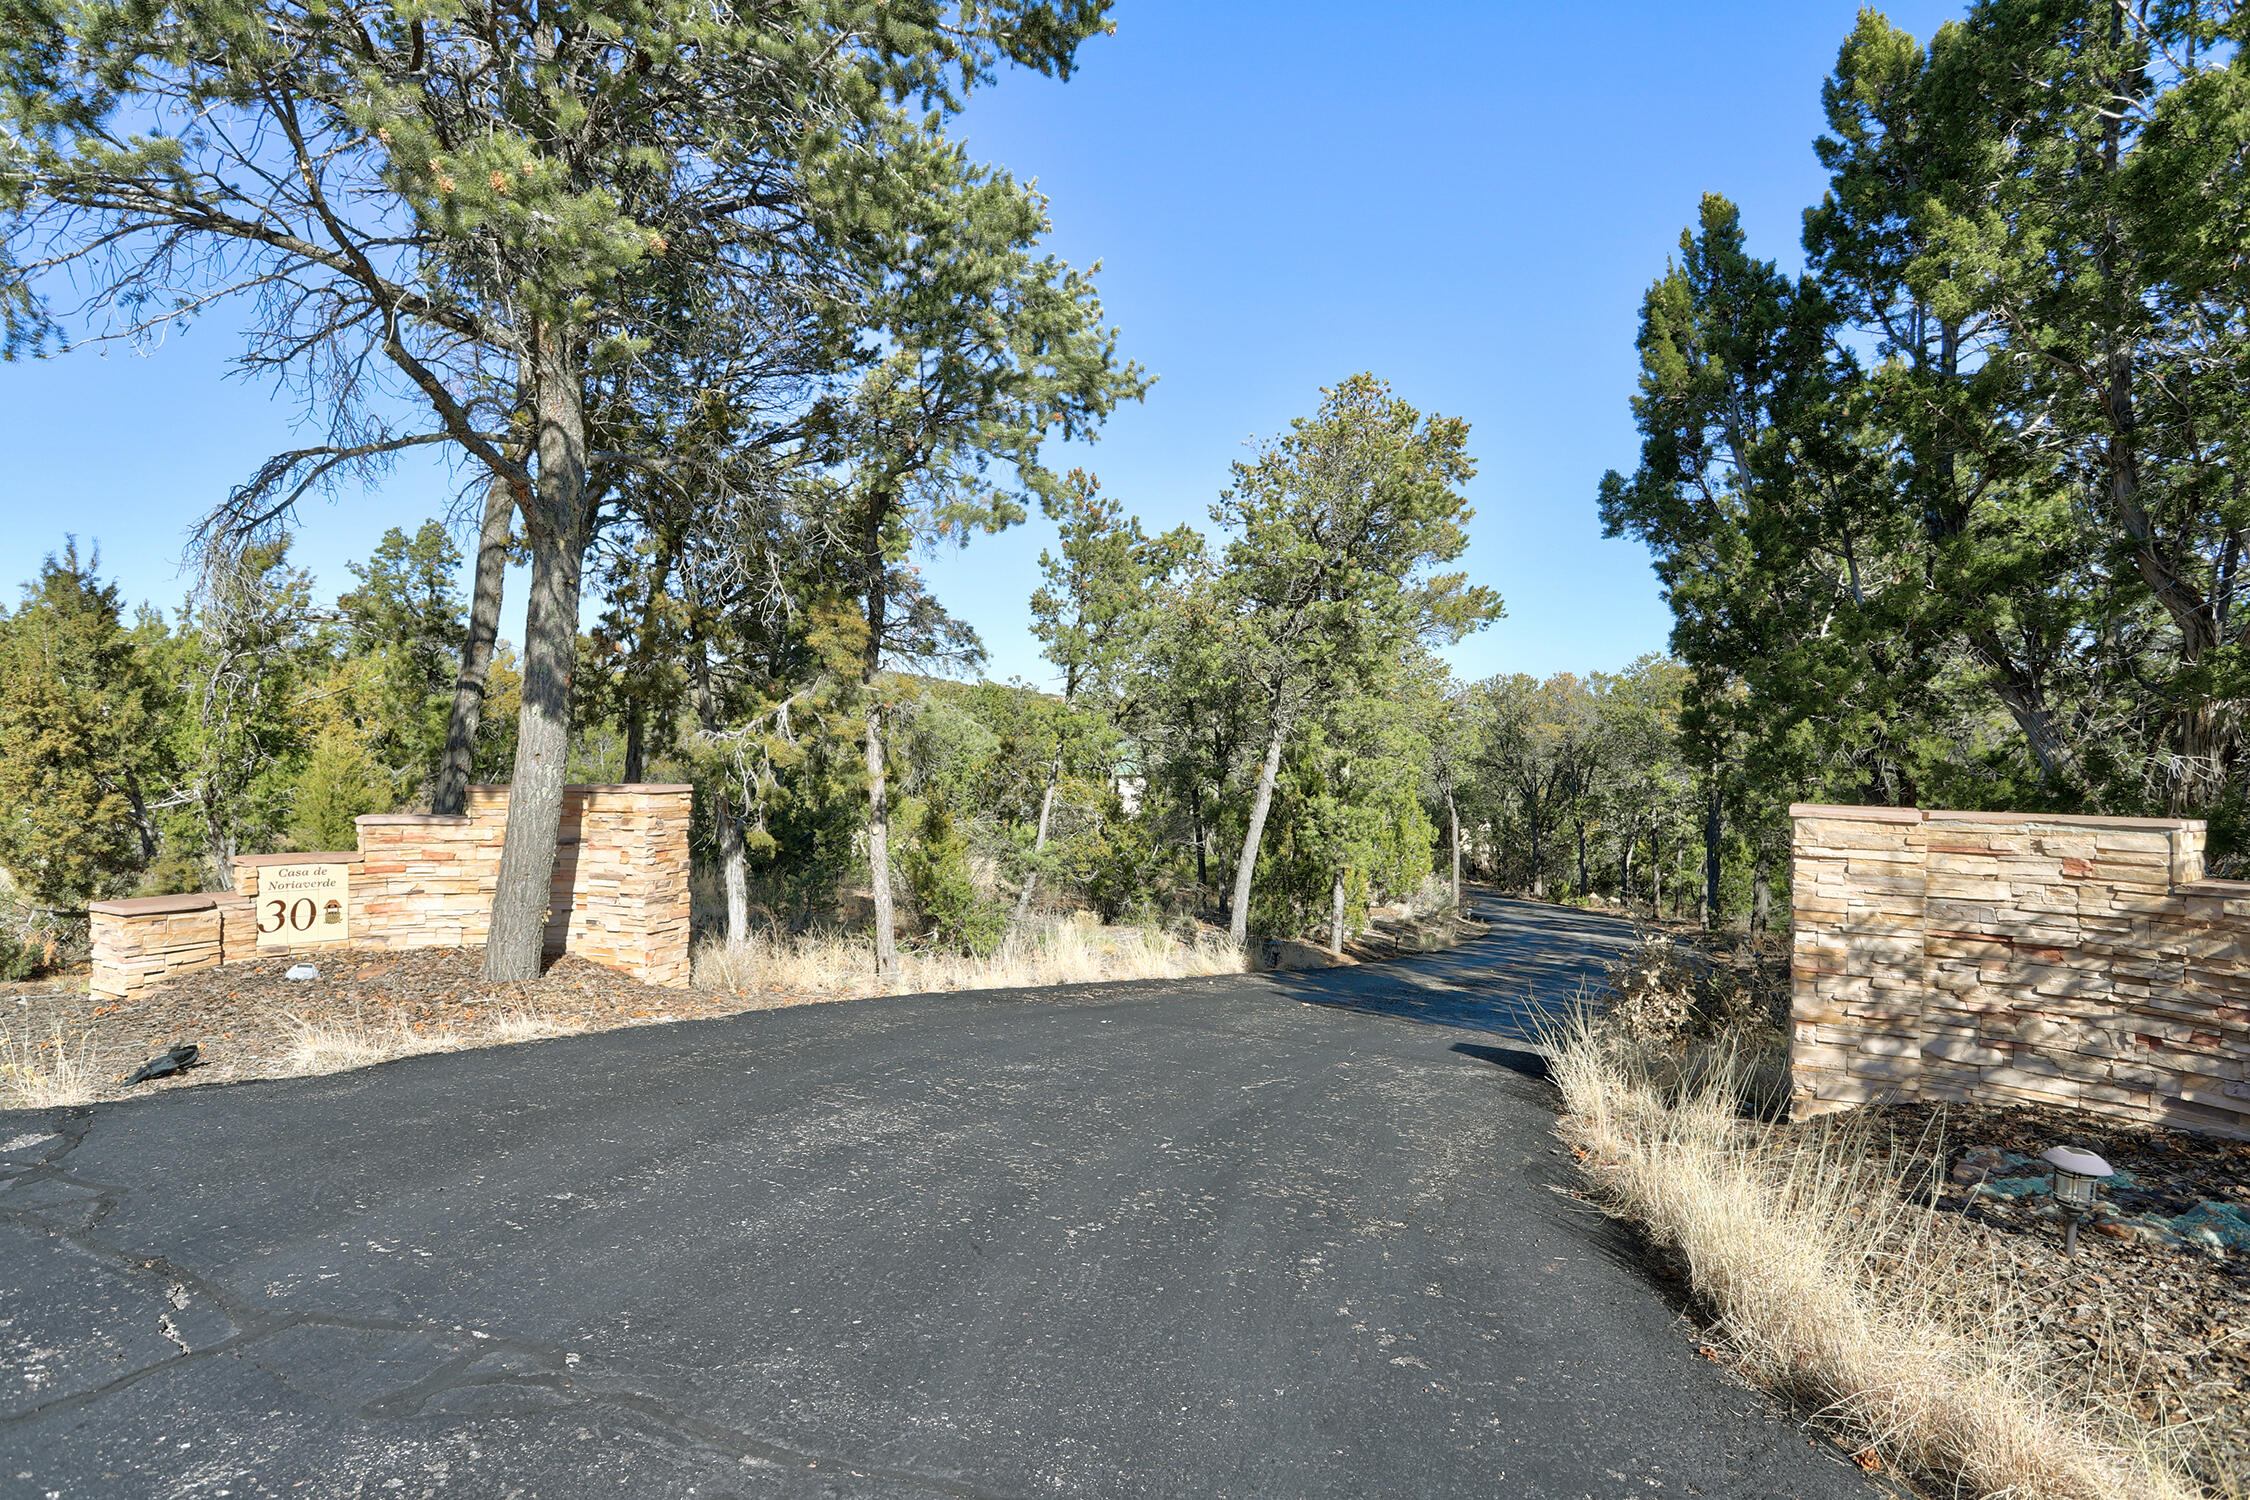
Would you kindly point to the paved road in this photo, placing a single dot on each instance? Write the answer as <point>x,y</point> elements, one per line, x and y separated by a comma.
<point>1232,1237</point>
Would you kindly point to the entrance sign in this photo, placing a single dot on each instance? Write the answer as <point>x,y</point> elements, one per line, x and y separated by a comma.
<point>301,904</point>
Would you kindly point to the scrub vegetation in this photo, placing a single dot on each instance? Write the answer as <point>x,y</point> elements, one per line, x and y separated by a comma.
<point>1829,1278</point>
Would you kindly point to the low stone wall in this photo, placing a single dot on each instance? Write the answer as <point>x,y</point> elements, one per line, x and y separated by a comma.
<point>142,943</point>
<point>619,893</point>
<point>2011,957</point>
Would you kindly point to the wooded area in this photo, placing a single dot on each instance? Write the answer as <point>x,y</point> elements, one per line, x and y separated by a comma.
<point>721,330</point>
<point>1953,517</point>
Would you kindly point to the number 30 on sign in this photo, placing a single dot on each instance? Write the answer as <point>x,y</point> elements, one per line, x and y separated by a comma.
<point>302,904</point>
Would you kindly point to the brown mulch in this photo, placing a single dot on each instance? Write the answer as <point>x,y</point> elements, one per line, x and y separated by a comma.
<point>240,1016</point>
<point>2165,1328</point>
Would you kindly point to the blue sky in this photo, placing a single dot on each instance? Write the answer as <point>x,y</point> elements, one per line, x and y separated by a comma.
<point>1466,199</point>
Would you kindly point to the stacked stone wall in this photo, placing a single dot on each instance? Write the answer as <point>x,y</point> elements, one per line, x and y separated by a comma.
<point>618,896</point>
<point>2005,957</point>
<point>150,940</point>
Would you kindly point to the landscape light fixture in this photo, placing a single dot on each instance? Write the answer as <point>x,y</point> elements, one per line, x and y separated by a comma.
<point>2078,1177</point>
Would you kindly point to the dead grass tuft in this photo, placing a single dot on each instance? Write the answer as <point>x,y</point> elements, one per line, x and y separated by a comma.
<point>1834,1288</point>
<point>332,1045</point>
<point>524,1020</point>
<point>787,967</point>
<point>45,1074</point>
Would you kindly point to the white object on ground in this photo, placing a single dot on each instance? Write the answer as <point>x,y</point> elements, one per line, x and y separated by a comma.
<point>302,971</point>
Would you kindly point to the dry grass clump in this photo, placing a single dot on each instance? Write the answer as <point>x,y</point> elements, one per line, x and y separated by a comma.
<point>332,1044</point>
<point>44,1074</point>
<point>787,966</point>
<point>525,1022</point>
<point>1830,1284</point>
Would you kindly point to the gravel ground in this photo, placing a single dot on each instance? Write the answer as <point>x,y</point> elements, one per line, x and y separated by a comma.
<point>2144,1315</point>
<point>246,1017</point>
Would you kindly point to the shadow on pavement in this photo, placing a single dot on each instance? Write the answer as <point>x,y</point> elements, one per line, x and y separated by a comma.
<point>1515,1060</point>
<point>1520,979</point>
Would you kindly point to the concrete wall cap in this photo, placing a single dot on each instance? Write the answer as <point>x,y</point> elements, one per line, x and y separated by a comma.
<point>2062,820</point>
<point>1842,814</point>
<point>1856,814</point>
<point>155,906</point>
<point>411,820</point>
<point>325,857</point>
<point>501,790</point>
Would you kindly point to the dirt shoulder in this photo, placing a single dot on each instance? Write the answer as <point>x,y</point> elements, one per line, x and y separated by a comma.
<point>61,1045</point>
<point>249,1021</point>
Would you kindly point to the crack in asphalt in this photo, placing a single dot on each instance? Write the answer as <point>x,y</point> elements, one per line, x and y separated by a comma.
<point>256,1321</point>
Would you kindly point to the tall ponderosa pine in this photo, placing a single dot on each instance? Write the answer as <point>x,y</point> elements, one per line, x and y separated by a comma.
<point>1091,617</point>
<point>467,212</point>
<point>993,351</point>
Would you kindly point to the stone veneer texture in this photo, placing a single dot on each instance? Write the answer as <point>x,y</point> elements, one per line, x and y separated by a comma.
<point>619,891</point>
<point>2018,958</point>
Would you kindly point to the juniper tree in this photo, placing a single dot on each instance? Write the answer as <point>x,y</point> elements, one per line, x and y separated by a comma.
<point>82,738</point>
<point>1337,528</point>
<point>247,653</point>
<point>442,221</point>
<point>406,613</point>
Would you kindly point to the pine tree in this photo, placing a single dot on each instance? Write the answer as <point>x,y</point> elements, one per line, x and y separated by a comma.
<point>491,246</point>
<point>406,614</point>
<point>1338,526</point>
<point>82,730</point>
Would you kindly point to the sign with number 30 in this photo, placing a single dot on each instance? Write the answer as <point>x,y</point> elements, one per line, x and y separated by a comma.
<point>303,904</point>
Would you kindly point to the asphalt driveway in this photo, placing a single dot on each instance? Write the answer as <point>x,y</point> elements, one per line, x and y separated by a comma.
<point>1287,1235</point>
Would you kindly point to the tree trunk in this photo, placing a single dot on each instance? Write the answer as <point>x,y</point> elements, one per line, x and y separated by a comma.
<point>1655,870</point>
<point>876,582</point>
<point>449,793</point>
<point>221,842</point>
<point>1336,917</point>
<point>144,828</point>
<point>1538,861</point>
<point>734,862</point>
<point>734,870</point>
<point>2020,692</point>
<point>1202,841</point>
<point>1714,830</point>
<point>1039,840</point>
<point>1584,885</point>
<point>879,843</point>
<point>1761,899</point>
<point>637,684</point>
<point>636,739</point>
<point>556,523</point>
<point>1453,814</point>
<point>1625,872</point>
<point>1238,918</point>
